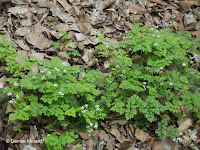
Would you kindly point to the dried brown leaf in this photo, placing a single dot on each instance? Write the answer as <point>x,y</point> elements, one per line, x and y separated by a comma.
<point>141,135</point>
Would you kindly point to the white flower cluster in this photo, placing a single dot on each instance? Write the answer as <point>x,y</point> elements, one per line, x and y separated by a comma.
<point>178,140</point>
<point>193,134</point>
<point>9,94</point>
<point>144,86</point>
<point>183,64</point>
<point>84,110</point>
<point>56,69</point>
<point>97,107</point>
<point>155,44</point>
<point>61,94</point>
<point>12,101</point>
<point>91,126</point>
<point>15,84</point>
<point>194,148</point>
<point>43,78</point>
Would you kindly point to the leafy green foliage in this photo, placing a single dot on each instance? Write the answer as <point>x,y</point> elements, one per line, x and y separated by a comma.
<point>164,130</point>
<point>151,76</point>
<point>74,53</point>
<point>55,142</point>
<point>10,58</point>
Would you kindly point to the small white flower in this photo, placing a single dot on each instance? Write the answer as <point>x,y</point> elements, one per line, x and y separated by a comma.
<point>60,93</point>
<point>45,69</point>
<point>82,107</point>
<point>48,134</point>
<point>65,125</point>
<point>9,94</point>
<point>12,101</point>
<point>170,83</point>
<point>179,139</point>
<point>43,78</point>
<point>97,109</point>
<point>86,105</point>
<point>84,111</point>
<point>161,68</point>
<point>90,130</point>
<point>49,72</point>
<point>181,133</point>
<point>144,82</point>
<point>17,96</point>
<point>55,68</point>
<point>130,49</point>
<point>158,36</point>
<point>144,87</point>
<point>155,44</point>
<point>96,106</point>
<point>183,64</point>
<point>91,124</point>
<point>55,85</point>
<point>15,84</point>
<point>157,31</point>
<point>110,81</point>
<point>64,71</point>
<point>195,148</point>
<point>96,126</point>
<point>42,71</point>
<point>147,86</point>
<point>161,83</point>
<point>117,66</point>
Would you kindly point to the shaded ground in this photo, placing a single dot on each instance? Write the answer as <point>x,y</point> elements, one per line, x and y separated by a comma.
<point>32,26</point>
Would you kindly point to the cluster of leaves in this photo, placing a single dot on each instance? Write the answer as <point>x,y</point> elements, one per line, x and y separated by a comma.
<point>10,58</point>
<point>151,76</point>
<point>66,37</point>
<point>55,142</point>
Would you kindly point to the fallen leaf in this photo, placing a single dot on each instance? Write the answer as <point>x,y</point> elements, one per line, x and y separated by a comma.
<point>9,108</point>
<point>23,31</point>
<point>59,131</point>
<point>157,1</point>
<point>185,125</point>
<point>79,37</point>
<point>37,39</point>
<point>84,135</point>
<point>125,145</point>
<point>85,28</point>
<point>39,56</point>
<point>150,143</point>
<point>141,135</point>
<point>63,55</point>
<point>135,9</point>
<point>158,146</point>
<point>65,5</point>
<point>120,122</point>
<point>185,5</point>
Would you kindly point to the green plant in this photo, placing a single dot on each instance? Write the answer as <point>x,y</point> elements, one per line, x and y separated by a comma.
<point>74,53</point>
<point>151,75</point>
<point>55,142</point>
<point>18,127</point>
<point>9,57</point>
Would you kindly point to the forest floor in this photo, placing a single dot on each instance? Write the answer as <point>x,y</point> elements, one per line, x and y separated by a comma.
<point>32,27</point>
